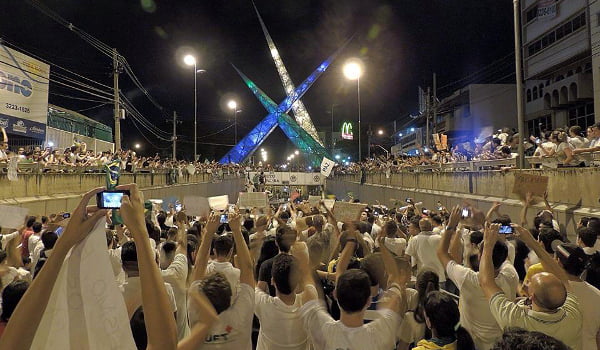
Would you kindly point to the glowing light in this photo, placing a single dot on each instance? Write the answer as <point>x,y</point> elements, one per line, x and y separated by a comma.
<point>353,69</point>
<point>50,144</point>
<point>426,149</point>
<point>400,135</point>
<point>232,104</point>
<point>189,60</point>
<point>309,167</point>
<point>275,53</point>
<point>337,156</point>
<point>380,132</point>
<point>137,146</point>
<point>412,129</point>
<point>296,152</point>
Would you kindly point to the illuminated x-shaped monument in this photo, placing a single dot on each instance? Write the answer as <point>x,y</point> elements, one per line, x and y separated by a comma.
<point>278,116</point>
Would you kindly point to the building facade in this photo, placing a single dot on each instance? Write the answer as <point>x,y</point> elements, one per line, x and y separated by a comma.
<point>557,62</point>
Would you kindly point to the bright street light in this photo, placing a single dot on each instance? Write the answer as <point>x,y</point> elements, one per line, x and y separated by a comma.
<point>232,104</point>
<point>137,146</point>
<point>296,152</point>
<point>353,70</point>
<point>189,60</point>
<point>380,132</point>
<point>337,156</point>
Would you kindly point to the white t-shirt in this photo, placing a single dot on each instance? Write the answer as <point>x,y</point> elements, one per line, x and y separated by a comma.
<point>423,250</point>
<point>233,329</point>
<point>226,268</point>
<point>589,304</point>
<point>411,331</point>
<point>132,293</point>
<point>328,334</point>
<point>475,314</point>
<point>280,324</point>
<point>176,276</point>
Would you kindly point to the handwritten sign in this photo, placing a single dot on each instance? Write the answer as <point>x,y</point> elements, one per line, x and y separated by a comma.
<point>196,206</point>
<point>348,211</point>
<point>218,202</point>
<point>249,200</point>
<point>12,217</point>
<point>536,184</point>
<point>314,200</point>
<point>329,203</point>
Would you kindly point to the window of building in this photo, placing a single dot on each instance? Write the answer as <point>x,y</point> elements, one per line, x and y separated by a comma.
<point>578,70</point>
<point>542,123</point>
<point>582,115</point>
<point>541,90</point>
<point>535,93</point>
<point>588,68</point>
<point>569,73</point>
<point>528,95</point>
<point>531,14</point>
<point>559,33</point>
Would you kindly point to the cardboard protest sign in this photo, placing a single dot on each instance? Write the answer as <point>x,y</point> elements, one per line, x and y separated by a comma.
<point>326,166</point>
<point>249,200</point>
<point>218,202</point>
<point>314,200</point>
<point>329,203</point>
<point>12,217</point>
<point>536,184</point>
<point>348,211</point>
<point>196,206</point>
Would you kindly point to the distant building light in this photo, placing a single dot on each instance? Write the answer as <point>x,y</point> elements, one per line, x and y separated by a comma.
<point>337,156</point>
<point>412,129</point>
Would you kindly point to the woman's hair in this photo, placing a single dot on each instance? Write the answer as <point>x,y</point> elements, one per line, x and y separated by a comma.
<point>575,130</point>
<point>559,135</point>
<point>427,281</point>
<point>267,251</point>
<point>444,317</point>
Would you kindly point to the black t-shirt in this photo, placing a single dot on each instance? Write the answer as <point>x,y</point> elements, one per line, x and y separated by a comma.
<point>265,274</point>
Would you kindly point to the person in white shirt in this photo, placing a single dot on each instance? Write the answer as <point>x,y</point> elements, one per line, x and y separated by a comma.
<point>586,239</point>
<point>422,249</point>
<point>353,293</point>
<point>594,138</point>
<point>395,240</point>
<point>280,323</point>
<point>43,249</point>
<point>553,310</point>
<point>573,259</point>
<point>575,138</point>
<point>223,251</point>
<point>475,315</point>
<point>233,329</point>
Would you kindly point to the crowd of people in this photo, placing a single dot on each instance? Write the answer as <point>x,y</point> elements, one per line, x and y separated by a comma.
<point>296,277</point>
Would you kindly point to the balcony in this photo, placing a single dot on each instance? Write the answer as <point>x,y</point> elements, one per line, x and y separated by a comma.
<point>569,91</point>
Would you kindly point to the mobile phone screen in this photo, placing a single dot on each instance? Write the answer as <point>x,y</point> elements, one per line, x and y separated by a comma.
<point>110,199</point>
<point>224,218</point>
<point>465,213</point>
<point>505,229</point>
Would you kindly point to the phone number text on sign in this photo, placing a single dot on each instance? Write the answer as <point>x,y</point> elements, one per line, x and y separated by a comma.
<point>17,108</point>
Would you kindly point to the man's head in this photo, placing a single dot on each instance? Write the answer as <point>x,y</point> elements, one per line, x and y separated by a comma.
<point>425,225</point>
<point>223,245</point>
<point>520,339</point>
<point>547,236</point>
<point>285,273</point>
<point>285,237</point>
<point>49,238</point>
<point>129,257</point>
<point>373,266</point>
<point>172,234</point>
<point>44,220</point>
<point>571,257</point>
<point>37,227</point>
<point>261,223</point>
<point>413,226</point>
<point>390,229</point>
<point>167,254</point>
<point>161,218</point>
<point>437,220</point>
<point>586,237</point>
<point>547,292</point>
<point>11,295</point>
<point>318,222</point>
<point>499,254</point>
<point>30,221</point>
<point>218,291</point>
<point>594,224</point>
<point>353,291</point>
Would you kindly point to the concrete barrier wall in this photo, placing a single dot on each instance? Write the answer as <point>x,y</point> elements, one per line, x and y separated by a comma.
<point>572,192</point>
<point>53,193</point>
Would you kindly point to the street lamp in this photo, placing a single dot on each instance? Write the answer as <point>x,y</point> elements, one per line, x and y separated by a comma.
<point>137,146</point>
<point>233,105</point>
<point>190,60</point>
<point>353,71</point>
<point>296,152</point>
<point>380,132</point>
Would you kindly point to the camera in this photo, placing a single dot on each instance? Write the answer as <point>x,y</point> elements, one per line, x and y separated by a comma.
<point>66,215</point>
<point>110,199</point>
<point>505,229</point>
<point>465,213</point>
<point>224,218</point>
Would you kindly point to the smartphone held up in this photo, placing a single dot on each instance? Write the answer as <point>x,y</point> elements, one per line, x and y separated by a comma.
<point>110,199</point>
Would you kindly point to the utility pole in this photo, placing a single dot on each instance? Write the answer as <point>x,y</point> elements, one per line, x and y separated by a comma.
<point>174,137</point>
<point>117,114</point>
<point>427,116</point>
<point>369,133</point>
<point>435,104</point>
<point>519,75</point>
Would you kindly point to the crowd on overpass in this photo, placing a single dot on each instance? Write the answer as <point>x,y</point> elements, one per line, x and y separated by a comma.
<point>297,277</point>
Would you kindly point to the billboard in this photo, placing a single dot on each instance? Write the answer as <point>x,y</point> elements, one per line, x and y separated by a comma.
<point>347,133</point>
<point>24,84</point>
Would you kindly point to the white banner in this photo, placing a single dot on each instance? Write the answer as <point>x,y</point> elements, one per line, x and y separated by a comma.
<point>292,178</point>
<point>326,166</point>
<point>547,9</point>
<point>24,83</point>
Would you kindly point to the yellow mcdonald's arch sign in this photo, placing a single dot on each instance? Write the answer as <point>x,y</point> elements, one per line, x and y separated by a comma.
<point>347,133</point>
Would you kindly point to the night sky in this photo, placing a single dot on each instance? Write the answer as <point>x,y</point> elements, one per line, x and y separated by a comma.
<point>402,43</point>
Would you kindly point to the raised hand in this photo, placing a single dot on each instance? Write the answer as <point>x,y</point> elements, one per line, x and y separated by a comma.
<point>213,223</point>
<point>235,222</point>
<point>455,216</point>
<point>83,219</point>
<point>523,234</point>
<point>490,234</point>
<point>132,208</point>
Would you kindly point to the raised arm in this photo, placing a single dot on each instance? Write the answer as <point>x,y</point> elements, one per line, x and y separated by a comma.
<point>204,250</point>
<point>181,220</point>
<point>161,330</point>
<point>243,253</point>
<point>547,260</point>
<point>24,322</point>
<point>208,316</point>
<point>486,266</point>
<point>494,209</point>
<point>526,204</point>
<point>450,231</point>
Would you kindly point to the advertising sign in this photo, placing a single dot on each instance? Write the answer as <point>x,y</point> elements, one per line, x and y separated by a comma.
<point>347,133</point>
<point>547,9</point>
<point>24,83</point>
<point>291,178</point>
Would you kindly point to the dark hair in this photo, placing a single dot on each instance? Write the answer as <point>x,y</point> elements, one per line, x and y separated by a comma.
<point>169,249</point>
<point>476,237</point>
<point>161,218</point>
<point>427,281</point>
<point>593,270</point>
<point>499,254</point>
<point>267,251</point>
<point>437,219</point>
<point>218,290</point>
<point>444,316</point>
<point>3,255</point>
<point>44,219</point>
<point>353,290</point>
<point>520,339</point>
<point>594,223</point>
<point>390,228</point>
<point>11,295</point>
<point>285,237</point>
<point>547,236</point>
<point>587,236</point>
<point>575,263</point>
<point>584,220</point>
<point>138,329</point>
<point>30,221</point>
<point>128,252</point>
<point>49,238</point>
<point>37,227</point>
<point>284,273</point>
<point>415,222</point>
<point>171,233</point>
<point>503,220</point>
<point>372,264</point>
<point>223,244</point>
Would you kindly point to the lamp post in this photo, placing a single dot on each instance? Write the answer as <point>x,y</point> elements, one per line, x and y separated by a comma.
<point>190,60</point>
<point>233,105</point>
<point>353,71</point>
